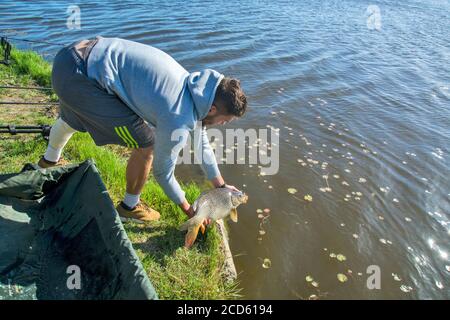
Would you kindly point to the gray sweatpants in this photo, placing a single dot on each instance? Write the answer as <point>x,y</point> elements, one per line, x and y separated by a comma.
<point>86,106</point>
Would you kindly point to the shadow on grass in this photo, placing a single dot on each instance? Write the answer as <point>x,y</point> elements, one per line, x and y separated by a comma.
<point>162,240</point>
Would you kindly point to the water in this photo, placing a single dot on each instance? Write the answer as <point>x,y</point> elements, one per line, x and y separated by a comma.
<point>372,104</point>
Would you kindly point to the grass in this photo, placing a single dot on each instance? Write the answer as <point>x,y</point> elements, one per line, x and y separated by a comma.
<point>176,273</point>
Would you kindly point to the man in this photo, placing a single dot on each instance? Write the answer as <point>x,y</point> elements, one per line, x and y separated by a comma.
<point>131,94</point>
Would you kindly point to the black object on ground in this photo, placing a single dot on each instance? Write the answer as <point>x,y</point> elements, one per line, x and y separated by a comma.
<point>6,46</point>
<point>13,130</point>
<point>60,223</point>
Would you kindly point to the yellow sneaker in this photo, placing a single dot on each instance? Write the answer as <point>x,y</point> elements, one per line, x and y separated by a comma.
<point>139,214</point>
<point>44,164</point>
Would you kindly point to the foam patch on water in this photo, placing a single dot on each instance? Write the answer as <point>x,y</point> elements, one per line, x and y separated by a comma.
<point>438,153</point>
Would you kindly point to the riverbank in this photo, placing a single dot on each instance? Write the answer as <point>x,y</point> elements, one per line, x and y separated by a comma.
<point>175,272</point>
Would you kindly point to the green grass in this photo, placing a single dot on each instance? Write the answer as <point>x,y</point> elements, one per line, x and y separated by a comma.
<point>30,66</point>
<point>176,273</point>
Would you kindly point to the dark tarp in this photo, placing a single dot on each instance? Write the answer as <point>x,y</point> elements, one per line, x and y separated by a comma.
<point>56,218</point>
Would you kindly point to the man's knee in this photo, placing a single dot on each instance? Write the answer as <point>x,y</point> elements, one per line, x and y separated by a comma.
<point>144,153</point>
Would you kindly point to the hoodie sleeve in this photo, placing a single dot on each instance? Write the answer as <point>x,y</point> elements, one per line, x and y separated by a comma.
<point>208,163</point>
<point>168,145</point>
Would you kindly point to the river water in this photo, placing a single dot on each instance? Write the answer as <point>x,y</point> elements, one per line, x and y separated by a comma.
<point>358,93</point>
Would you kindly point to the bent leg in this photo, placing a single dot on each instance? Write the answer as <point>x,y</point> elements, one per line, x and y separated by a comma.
<point>138,169</point>
<point>60,134</point>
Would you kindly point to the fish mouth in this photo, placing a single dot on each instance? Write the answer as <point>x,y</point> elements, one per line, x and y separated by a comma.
<point>244,198</point>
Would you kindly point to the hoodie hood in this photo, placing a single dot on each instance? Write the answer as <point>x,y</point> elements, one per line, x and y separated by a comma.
<point>202,86</point>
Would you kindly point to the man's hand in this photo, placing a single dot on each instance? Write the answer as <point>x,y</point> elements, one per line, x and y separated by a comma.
<point>189,211</point>
<point>232,188</point>
<point>219,182</point>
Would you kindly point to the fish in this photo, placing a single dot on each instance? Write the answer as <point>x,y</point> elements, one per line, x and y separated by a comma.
<point>214,204</point>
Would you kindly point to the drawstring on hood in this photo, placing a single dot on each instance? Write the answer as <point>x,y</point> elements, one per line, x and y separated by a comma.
<point>202,86</point>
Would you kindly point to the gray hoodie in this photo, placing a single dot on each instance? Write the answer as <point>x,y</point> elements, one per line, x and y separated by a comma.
<point>164,94</point>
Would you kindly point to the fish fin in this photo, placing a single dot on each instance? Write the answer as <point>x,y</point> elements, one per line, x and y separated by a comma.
<point>191,236</point>
<point>195,205</point>
<point>191,222</point>
<point>234,215</point>
<point>202,228</point>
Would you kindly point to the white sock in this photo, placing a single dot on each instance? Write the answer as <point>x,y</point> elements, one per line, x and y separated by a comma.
<point>59,136</point>
<point>131,200</point>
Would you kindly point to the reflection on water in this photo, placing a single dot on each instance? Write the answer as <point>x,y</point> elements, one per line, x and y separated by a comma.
<point>363,118</point>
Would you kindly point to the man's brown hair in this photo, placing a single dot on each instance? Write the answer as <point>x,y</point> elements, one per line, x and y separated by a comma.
<point>231,97</point>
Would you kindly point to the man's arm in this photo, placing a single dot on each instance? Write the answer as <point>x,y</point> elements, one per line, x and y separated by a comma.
<point>209,162</point>
<point>165,158</point>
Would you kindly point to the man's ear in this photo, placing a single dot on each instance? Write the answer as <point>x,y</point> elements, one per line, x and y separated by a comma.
<point>213,110</point>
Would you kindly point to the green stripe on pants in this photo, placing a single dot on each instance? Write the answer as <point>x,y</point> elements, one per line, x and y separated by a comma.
<point>119,133</point>
<point>128,134</point>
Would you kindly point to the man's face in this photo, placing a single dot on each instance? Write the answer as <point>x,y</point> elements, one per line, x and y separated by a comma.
<point>215,118</point>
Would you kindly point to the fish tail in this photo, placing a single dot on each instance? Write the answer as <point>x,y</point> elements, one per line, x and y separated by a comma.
<point>191,235</point>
